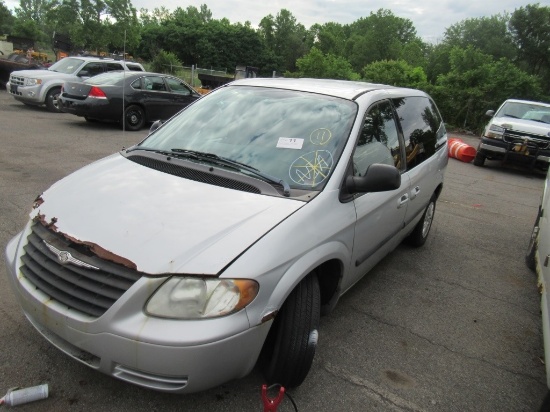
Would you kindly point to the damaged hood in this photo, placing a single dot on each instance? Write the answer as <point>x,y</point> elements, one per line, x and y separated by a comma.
<point>156,222</point>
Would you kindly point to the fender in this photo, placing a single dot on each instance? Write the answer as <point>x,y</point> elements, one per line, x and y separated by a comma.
<point>287,280</point>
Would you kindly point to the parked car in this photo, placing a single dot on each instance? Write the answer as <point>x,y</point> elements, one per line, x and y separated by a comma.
<point>215,243</point>
<point>519,132</point>
<point>39,87</point>
<point>143,97</point>
<point>537,259</point>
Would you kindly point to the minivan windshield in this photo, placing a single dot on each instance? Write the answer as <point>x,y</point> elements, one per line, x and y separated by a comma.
<point>67,65</point>
<point>294,136</point>
<point>525,110</point>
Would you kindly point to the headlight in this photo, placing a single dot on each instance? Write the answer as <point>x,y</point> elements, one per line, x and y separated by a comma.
<point>200,298</point>
<point>33,82</point>
<point>495,132</point>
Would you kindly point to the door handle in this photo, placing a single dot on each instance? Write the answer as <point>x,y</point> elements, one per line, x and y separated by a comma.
<point>402,200</point>
<point>415,192</point>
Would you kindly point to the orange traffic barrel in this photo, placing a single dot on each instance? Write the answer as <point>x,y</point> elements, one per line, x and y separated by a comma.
<point>461,151</point>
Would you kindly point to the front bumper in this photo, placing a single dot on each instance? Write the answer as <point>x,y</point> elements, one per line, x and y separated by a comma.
<point>25,94</point>
<point>521,152</point>
<point>160,354</point>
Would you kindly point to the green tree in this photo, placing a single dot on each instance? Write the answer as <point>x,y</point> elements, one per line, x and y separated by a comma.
<point>324,66</point>
<point>380,36</point>
<point>7,19</point>
<point>490,35</point>
<point>476,83</point>
<point>395,73</point>
<point>330,37</point>
<point>530,27</point>
<point>123,24</point>
<point>284,37</point>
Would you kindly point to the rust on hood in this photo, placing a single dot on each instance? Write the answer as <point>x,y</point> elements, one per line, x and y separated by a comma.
<point>42,219</point>
<point>104,253</point>
<point>92,247</point>
<point>37,202</point>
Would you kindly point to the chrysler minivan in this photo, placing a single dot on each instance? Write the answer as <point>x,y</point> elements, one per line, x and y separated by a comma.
<point>216,243</point>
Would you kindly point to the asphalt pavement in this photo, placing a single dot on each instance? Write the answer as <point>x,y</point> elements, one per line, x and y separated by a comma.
<point>452,326</point>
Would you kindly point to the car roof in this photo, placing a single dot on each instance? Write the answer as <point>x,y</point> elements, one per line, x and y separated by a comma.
<point>527,102</point>
<point>337,88</point>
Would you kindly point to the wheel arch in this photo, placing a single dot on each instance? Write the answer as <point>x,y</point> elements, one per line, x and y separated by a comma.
<point>327,262</point>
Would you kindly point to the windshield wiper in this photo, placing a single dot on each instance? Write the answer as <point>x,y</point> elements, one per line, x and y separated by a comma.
<point>219,160</point>
<point>237,165</point>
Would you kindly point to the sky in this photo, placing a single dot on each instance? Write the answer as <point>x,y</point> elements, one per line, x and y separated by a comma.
<point>429,17</point>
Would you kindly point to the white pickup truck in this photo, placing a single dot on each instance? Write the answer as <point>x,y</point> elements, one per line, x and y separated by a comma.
<point>38,87</point>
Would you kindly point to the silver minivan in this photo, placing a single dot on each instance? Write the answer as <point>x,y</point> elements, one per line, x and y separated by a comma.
<point>216,243</point>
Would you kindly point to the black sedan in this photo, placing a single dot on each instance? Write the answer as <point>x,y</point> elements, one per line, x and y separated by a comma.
<point>146,97</point>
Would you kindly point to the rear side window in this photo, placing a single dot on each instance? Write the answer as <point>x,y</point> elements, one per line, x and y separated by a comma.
<point>422,127</point>
<point>113,66</point>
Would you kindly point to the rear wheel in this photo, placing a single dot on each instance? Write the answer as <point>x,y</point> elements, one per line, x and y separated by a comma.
<point>134,118</point>
<point>290,346</point>
<point>420,233</point>
<point>52,100</point>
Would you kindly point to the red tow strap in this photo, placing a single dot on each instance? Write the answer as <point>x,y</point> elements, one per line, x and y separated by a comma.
<point>271,404</point>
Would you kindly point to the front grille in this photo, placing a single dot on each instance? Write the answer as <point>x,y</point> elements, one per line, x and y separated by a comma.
<point>515,136</point>
<point>90,291</point>
<point>17,80</point>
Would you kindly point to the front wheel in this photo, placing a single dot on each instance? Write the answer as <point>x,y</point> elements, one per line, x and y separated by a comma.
<point>289,349</point>
<point>134,118</point>
<point>52,100</point>
<point>479,160</point>
<point>419,235</point>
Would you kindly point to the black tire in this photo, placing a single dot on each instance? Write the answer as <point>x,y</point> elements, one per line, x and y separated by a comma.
<point>289,349</point>
<point>545,407</point>
<point>420,233</point>
<point>530,256</point>
<point>52,100</point>
<point>134,118</point>
<point>479,160</point>
<point>90,120</point>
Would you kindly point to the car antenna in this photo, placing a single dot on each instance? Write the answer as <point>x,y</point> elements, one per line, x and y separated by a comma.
<point>124,85</point>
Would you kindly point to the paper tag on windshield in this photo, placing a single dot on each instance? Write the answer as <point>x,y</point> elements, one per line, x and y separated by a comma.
<point>290,143</point>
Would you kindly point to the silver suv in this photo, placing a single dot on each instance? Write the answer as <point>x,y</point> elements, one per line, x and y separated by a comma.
<point>38,87</point>
<point>519,132</point>
<point>217,242</point>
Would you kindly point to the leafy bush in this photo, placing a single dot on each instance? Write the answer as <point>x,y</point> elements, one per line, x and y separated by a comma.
<point>395,73</point>
<point>165,62</point>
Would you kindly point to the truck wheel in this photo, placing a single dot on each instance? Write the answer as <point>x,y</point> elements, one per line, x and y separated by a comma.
<point>479,160</point>
<point>419,235</point>
<point>52,100</point>
<point>134,118</point>
<point>289,349</point>
<point>532,249</point>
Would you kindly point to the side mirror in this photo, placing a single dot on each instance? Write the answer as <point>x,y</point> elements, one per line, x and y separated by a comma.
<point>378,178</point>
<point>490,113</point>
<point>156,124</point>
<point>84,73</point>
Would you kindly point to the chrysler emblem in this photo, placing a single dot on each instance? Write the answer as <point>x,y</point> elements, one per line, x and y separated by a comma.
<point>65,257</point>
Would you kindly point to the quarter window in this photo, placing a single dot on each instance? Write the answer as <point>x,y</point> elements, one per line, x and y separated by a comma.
<point>379,140</point>
<point>177,86</point>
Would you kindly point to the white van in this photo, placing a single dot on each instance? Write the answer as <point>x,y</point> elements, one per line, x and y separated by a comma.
<point>217,242</point>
